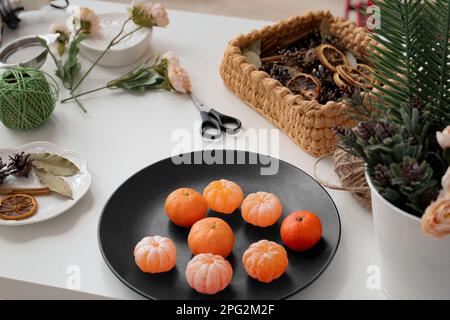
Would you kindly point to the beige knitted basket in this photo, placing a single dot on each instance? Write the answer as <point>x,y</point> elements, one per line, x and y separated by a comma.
<point>308,123</point>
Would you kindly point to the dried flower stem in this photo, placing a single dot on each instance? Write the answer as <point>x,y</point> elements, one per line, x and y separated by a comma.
<point>84,93</point>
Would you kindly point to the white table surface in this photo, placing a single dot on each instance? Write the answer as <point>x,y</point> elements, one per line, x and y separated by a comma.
<point>123,133</point>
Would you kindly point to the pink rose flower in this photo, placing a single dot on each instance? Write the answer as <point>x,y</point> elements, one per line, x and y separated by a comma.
<point>160,16</point>
<point>171,58</point>
<point>179,79</point>
<point>85,20</point>
<point>443,138</point>
<point>436,219</point>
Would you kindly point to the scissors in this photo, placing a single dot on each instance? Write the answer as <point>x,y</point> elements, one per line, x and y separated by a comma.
<point>214,122</point>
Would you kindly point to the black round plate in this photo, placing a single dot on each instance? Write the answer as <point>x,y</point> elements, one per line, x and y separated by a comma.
<point>136,210</point>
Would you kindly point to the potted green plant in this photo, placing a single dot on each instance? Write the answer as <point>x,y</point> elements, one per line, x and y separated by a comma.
<point>404,138</point>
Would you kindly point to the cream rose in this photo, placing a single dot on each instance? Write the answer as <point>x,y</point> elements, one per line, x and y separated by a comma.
<point>443,138</point>
<point>85,20</point>
<point>179,79</point>
<point>436,220</point>
<point>60,28</point>
<point>160,16</point>
<point>172,58</point>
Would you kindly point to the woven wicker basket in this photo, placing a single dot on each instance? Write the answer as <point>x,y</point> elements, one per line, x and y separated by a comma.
<point>308,123</point>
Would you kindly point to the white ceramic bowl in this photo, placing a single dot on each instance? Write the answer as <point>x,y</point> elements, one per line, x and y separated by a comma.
<point>129,50</point>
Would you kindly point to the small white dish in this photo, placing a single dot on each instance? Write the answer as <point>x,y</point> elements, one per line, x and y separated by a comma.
<point>51,205</point>
<point>127,51</point>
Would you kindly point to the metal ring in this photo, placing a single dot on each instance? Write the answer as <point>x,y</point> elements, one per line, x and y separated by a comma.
<point>19,44</point>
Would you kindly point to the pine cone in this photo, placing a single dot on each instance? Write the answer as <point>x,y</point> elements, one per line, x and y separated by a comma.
<point>280,73</point>
<point>4,172</point>
<point>20,165</point>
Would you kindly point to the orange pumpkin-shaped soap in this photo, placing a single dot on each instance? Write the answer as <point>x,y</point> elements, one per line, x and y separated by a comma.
<point>155,254</point>
<point>223,196</point>
<point>185,206</point>
<point>265,260</point>
<point>261,209</point>
<point>301,230</point>
<point>211,235</point>
<point>208,273</point>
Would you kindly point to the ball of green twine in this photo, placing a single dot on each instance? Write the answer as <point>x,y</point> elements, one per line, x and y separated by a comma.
<point>27,98</point>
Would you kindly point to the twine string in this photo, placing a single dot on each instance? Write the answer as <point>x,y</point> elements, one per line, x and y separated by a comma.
<point>27,98</point>
<point>351,173</point>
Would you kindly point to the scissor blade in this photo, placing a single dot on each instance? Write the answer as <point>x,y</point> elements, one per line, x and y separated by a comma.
<point>198,103</point>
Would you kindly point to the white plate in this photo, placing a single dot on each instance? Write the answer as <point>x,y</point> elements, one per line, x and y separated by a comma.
<point>51,205</point>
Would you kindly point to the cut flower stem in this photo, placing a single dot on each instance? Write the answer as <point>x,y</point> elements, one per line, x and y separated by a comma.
<point>119,37</point>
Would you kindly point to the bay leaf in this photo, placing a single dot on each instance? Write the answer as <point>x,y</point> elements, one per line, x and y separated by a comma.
<point>54,183</point>
<point>252,53</point>
<point>54,163</point>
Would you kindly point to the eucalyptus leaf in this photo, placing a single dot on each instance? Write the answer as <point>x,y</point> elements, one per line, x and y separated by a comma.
<point>252,53</point>
<point>54,183</point>
<point>54,164</point>
<point>140,79</point>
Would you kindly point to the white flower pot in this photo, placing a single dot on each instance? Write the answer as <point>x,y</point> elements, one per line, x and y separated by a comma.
<point>413,265</point>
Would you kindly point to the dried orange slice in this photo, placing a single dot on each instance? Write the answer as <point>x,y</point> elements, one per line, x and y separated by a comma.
<point>339,81</point>
<point>17,207</point>
<point>365,70</point>
<point>306,85</point>
<point>352,76</point>
<point>331,57</point>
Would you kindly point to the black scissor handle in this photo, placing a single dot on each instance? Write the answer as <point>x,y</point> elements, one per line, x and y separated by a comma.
<point>230,125</point>
<point>210,128</point>
<point>62,6</point>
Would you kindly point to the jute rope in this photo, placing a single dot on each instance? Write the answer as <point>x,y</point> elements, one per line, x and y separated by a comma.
<point>351,173</point>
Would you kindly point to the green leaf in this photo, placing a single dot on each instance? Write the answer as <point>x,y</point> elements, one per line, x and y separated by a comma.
<point>71,67</point>
<point>142,78</point>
